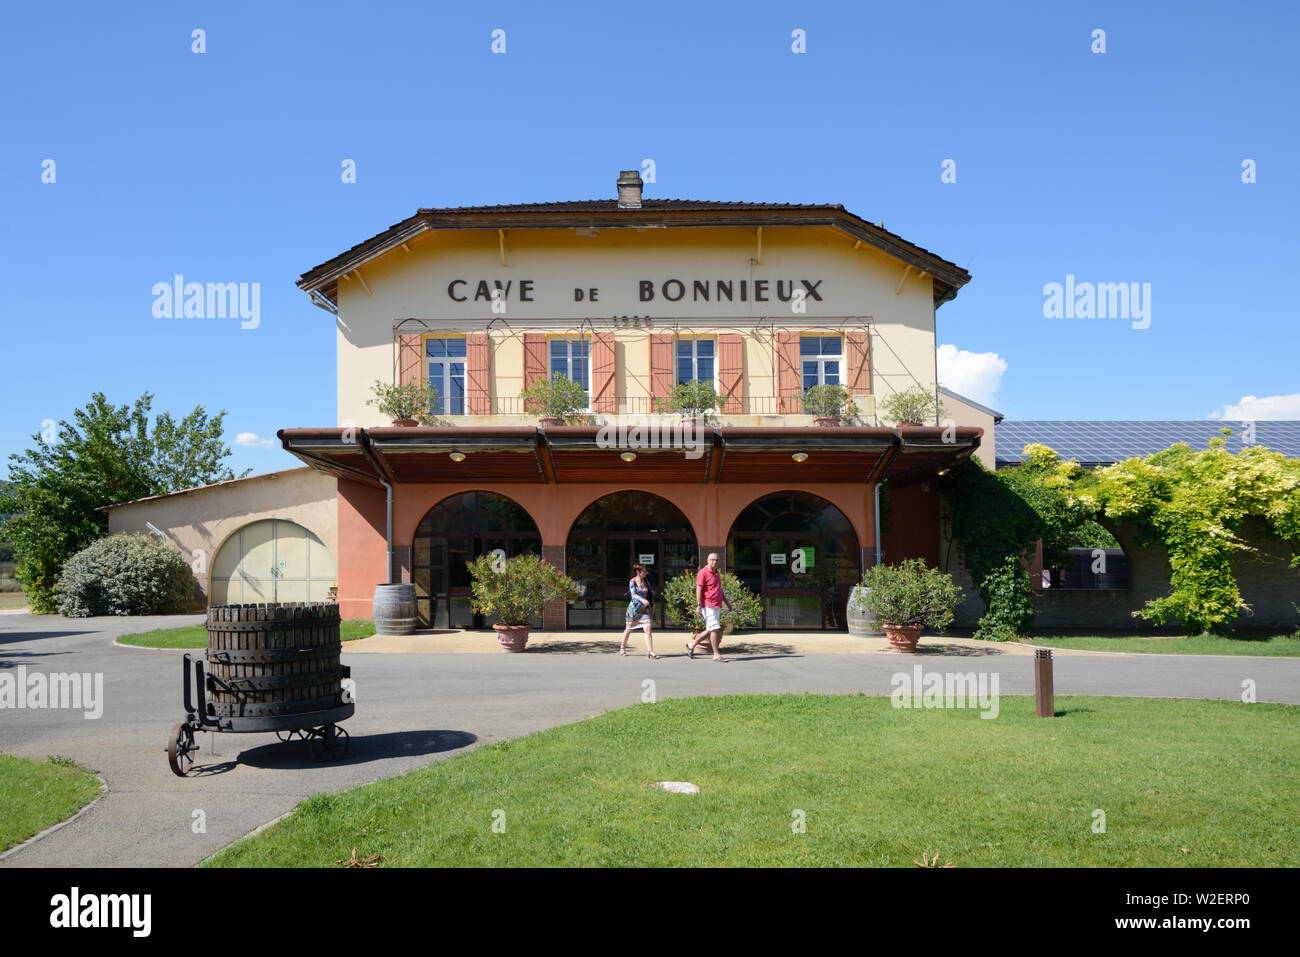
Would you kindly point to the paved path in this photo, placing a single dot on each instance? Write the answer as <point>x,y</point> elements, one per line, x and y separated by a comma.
<point>417,708</point>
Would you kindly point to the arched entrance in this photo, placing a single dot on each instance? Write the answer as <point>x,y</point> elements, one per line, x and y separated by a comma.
<point>455,531</point>
<point>799,552</point>
<point>610,535</point>
<point>273,560</point>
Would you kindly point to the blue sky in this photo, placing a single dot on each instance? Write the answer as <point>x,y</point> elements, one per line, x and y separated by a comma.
<point>1123,166</point>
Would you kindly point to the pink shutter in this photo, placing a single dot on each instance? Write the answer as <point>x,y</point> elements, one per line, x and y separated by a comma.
<point>859,350</point>
<point>534,357</point>
<point>661,366</point>
<point>788,380</point>
<point>731,372</point>
<point>602,372</point>
<point>476,373</point>
<point>410,358</point>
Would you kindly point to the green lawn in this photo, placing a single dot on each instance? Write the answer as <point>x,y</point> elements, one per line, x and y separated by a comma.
<point>1182,784</point>
<point>12,599</point>
<point>1280,645</point>
<point>35,795</point>
<point>196,636</point>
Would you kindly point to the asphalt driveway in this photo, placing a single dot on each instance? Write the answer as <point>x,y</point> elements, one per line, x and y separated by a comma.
<point>416,708</point>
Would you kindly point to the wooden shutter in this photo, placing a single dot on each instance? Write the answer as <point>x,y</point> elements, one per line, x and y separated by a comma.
<point>789,383</point>
<point>410,358</point>
<point>476,373</point>
<point>534,357</point>
<point>731,372</point>
<point>858,347</point>
<point>661,365</point>
<point>602,372</point>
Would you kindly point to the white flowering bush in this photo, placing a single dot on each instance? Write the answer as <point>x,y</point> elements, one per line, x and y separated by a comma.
<point>125,575</point>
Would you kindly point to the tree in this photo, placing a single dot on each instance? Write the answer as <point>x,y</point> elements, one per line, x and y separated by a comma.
<point>106,456</point>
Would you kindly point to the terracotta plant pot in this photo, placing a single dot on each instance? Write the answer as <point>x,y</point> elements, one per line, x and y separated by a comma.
<point>903,637</point>
<point>405,423</point>
<point>827,421</point>
<point>514,637</point>
<point>546,421</point>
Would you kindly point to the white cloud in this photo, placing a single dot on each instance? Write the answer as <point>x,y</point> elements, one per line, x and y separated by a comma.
<point>253,440</point>
<point>1266,409</point>
<point>975,375</point>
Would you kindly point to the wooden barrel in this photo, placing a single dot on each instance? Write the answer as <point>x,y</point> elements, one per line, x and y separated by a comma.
<point>394,609</point>
<point>274,659</point>
<point>862,623</point>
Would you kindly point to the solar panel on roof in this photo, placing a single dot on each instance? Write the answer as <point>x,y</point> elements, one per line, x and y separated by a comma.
<point>1105,442</point>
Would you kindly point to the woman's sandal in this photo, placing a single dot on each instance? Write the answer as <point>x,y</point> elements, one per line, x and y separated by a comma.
<point>651,654</point>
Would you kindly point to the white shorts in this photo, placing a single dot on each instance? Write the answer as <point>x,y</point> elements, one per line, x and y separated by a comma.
<point>712,619</point>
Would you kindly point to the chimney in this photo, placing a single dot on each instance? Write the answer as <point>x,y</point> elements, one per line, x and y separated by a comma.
<point>629,189</point>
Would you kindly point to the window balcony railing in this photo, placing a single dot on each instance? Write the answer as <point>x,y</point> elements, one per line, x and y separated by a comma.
<point>645,405</point>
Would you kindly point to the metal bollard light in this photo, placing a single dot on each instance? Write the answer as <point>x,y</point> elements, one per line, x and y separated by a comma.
<point>1044,694</point>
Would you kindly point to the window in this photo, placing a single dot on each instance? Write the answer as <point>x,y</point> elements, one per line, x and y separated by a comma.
<point>820,358</point>
<point>446,360</point>
<point>571,359</point>
<point>695,361</point>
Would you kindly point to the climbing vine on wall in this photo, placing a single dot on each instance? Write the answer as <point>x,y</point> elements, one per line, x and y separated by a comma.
<point>1192,503</point>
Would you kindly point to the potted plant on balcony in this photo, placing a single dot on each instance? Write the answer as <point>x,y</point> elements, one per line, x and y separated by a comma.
<point>516,590</point>
<point>907,597</point>
<point>829,403</point>
<point>915,406</point>
<point>692,400</point>
<point>408,404</point>
<point>555,400</point>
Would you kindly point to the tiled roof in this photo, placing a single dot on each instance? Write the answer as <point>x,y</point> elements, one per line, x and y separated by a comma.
<point>611,205</point>
<point>1099,443</point>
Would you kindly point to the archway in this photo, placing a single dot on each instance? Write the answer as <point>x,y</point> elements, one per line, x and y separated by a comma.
<point>272,560</point>
<point>455,531</point>
<point>610,535</point>
<point>800,554</point>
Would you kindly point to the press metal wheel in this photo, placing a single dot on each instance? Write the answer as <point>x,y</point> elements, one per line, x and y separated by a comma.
<point>181,748</point>
<point>328,743</point>
<point>289,735</point>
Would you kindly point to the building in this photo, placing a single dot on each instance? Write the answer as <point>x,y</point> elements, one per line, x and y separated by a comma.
<point>628,297</point>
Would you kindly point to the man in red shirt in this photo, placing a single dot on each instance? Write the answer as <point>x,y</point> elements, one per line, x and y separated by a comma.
<point>709,600</point>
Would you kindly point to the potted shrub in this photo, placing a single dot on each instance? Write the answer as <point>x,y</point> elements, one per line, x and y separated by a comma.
<point>516,590</point>
<point>407,405</point>
<point>555,400</point>
<point>915,406</point>
<point>907,597</point>
<point>679,603</point>
<point>693,400</point>
<point>829,403</point>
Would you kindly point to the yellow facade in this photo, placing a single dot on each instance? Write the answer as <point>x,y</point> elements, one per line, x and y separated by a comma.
<point>438,282</point>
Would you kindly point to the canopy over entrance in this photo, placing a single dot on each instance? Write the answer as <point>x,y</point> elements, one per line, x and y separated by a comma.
<point>577,454</point>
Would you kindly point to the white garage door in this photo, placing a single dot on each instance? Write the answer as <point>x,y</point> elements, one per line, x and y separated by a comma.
<point>271,560</point>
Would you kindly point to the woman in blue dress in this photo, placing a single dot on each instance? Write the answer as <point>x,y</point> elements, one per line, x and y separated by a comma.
<point>638,610</point>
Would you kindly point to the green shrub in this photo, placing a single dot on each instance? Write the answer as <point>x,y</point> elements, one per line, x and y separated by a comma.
<point>125,575</point>
<point>826,401</point>
<point>911,593</point>
<point>917,404</point>
<point>520,591</point>
<point>690,398</point>
<point>556,396</point>
<point>1009,602</point>
<point>414,400</point>
<point>679,603</point>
